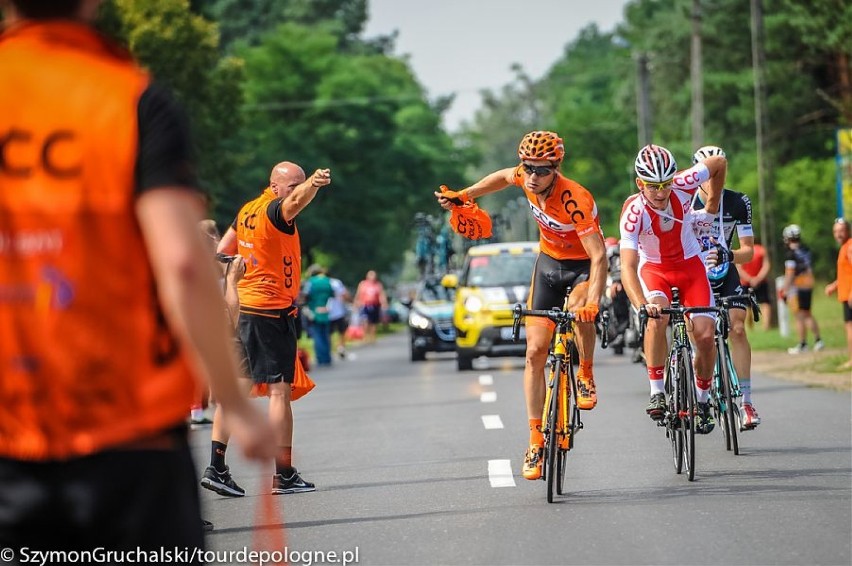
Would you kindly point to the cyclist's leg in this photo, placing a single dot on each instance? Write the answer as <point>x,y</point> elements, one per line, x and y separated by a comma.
<point>657,290</point>
<point>585,340</point>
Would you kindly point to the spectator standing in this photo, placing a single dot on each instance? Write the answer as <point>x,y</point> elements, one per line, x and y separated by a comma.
<point>99,366</point>
<point>370,300</point>
<point>798,274</point>
<point>843,284</point>
<point>753,275</point>
<point>338,314</point>
<point>318,291</point>
<point>265,235</point>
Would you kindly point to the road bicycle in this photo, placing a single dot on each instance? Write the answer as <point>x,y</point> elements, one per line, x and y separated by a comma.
<point>560,414</point>
<point>679,383</point>
<point>726,384</point>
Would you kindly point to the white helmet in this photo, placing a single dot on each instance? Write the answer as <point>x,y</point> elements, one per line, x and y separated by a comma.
<point>655,164</point>
<point>792,232</point>
<point>703,153</point>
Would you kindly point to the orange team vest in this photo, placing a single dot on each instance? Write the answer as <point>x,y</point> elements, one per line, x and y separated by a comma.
<point>273,259</point>
<point>569,214</point>
<point>86,360</point>
<point>844,272</point>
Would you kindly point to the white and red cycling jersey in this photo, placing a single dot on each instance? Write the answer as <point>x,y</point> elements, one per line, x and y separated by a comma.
<point>663,236</point>
<point>669,250</point>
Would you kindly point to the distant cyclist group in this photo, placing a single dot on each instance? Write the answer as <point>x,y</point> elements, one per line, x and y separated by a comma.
<point>676,233</point>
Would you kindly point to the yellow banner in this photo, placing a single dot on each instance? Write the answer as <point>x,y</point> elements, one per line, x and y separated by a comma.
<point>844,172</point>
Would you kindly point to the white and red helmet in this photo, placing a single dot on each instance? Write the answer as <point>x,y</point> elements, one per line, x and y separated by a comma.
<point>655,164</point>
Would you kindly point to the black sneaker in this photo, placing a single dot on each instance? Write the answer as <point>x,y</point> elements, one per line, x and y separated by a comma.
<point>656,409</point>
<point>292,484</point>
<point>704,421</point>
<point>221,482</point>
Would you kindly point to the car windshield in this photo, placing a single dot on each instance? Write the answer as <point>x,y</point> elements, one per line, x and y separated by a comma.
<point>434,291</point>
<point>500,270</point>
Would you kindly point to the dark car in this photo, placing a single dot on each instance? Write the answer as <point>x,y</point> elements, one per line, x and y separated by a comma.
<point>430,320</point>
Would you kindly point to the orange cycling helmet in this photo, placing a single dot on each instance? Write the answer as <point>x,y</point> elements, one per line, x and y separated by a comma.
<point>540,146</point>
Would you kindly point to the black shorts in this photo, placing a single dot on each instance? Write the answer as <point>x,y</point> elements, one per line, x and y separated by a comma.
<point>372,313</point>
<point>551,279</point>
<point>118,499</point>
<point>847,313</point>
<point>804,298</point>
<point>269,338</point>
<point>730,285</point>
<point>761,293</point>
<point>338,325</point>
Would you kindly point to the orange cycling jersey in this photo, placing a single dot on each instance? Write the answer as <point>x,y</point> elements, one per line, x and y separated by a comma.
<point>273,258</point>
<point>86,359</point>
<point>569,214</point>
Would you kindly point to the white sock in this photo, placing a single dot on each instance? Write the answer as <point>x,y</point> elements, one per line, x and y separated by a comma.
<point>745,389</point>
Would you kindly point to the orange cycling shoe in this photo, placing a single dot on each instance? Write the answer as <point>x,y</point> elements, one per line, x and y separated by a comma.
<point>587,396</point>
<point>533,461</point>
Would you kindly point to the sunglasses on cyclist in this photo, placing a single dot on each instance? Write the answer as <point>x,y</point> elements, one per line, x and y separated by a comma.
<point>541,171</point>
<point>653,187</point>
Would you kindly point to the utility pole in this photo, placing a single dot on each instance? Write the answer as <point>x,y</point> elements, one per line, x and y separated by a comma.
<point>643,106</point>
<point>765,180</point>
<point>697,76</point>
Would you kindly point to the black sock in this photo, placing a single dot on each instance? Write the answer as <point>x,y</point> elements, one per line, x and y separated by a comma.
<point>217,455</point>
<point>286,471</point>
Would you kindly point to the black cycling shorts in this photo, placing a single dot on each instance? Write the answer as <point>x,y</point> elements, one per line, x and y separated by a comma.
<point>847,313</point>
<point>761,292</point>
<point>269,338</point>
<point>804,298</point>
<point>728,286</point>
<point>551,279</point>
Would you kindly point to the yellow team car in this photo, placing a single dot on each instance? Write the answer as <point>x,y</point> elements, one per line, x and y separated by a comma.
<point>493,279</point>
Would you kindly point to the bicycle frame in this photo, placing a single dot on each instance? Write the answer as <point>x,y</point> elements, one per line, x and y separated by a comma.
<point>560,414</point>
<point>726,384</point>
<point>679,418</point>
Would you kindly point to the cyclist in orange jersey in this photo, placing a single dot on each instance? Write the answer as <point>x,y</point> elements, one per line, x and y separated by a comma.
<point>106,296</point>
<point>572,254</point>
<point>264,233</point>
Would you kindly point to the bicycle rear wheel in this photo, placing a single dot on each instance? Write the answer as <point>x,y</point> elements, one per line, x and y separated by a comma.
<point>673,429</point>
<point>551,440</point>
<point>729,419</point>
<point>686,393</point>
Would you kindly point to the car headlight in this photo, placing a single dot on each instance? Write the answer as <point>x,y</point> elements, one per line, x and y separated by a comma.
<point>473,304</point>
<point>417,320</point>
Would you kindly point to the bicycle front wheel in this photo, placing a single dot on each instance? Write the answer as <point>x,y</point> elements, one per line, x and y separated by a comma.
<point>718,395</point>
<point>569,419</point>
<point>686,394</point>
<point>729,419</point>
<point>673,428</point>
<point>551,440</point>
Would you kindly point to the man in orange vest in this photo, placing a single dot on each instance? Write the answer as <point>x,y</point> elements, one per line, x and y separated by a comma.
<point>265,235</point>
<point>843,284</point>
<point>110,308</point>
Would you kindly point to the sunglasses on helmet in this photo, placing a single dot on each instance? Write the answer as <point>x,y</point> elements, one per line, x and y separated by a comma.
<point>541,171</point>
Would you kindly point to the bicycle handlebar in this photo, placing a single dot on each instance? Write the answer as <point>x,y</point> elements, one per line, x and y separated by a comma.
<point>559,317</point>
<point>643,314</point>
<point>750,297</point>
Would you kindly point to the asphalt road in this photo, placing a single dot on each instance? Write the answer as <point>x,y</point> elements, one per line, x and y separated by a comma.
<point>411,460</point>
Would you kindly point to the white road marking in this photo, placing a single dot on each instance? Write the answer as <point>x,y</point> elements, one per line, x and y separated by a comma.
<point>486,379</point>
<point>500,473</point>
<point>492,421</point>
<point>488,397</point>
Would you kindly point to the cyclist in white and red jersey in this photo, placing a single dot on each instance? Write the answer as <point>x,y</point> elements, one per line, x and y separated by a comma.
<point>660,250</point>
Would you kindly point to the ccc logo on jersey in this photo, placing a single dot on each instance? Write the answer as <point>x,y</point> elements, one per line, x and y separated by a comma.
<point>57,154</point>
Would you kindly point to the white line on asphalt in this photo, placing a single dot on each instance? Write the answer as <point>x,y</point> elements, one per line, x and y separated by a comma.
<point>486,379</point>
<point>492,421</point>
<point>500,473</point>
<point>488,397</point>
